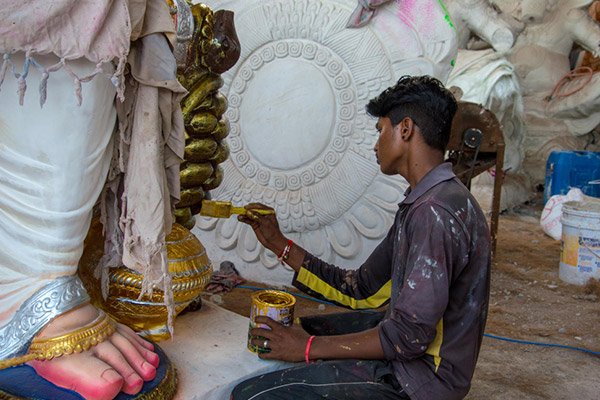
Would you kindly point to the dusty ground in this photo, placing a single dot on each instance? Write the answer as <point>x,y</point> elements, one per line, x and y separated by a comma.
<point>528,302</point>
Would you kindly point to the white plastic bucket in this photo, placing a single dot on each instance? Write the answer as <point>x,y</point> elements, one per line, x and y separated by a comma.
<point>580,243</point>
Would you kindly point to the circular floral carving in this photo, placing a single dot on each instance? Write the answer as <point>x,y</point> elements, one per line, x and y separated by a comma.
<point>293,182</point>
<point>342,80</point>
<point>246,73</point>
<point>250,169</point>
<point>307,177</point>
<point>347,112</point>
<point>234,99</point>
<point>339,144</point>
<point>295,49</point>
<point>345,128</point>
<point>241,158</point>
<point>235,144</point>
<point>255,62</point>
<point>279,182</point>
<point>309,50</point>
<point>263,176</point>
<point>321,58</point>
<point>320,169</point>
<point>267,54</point>
<point>281,49</point>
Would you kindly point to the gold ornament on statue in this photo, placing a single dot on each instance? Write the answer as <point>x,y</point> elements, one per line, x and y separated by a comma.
<point>207,46</point>
<point>190,271</point>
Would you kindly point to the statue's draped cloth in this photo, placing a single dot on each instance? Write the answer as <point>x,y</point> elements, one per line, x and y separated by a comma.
<point>110,127</point>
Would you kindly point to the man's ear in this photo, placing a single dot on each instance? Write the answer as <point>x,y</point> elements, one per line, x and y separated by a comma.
<point>406,127</point>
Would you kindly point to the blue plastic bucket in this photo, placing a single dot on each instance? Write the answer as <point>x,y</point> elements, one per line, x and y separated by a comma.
<point>572,169</point>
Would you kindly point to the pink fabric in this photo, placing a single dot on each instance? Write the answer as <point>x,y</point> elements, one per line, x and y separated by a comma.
<point>55,26</point>
<point>98,30</point>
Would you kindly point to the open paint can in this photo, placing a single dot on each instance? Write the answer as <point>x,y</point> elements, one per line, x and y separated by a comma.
<point>275,304</point>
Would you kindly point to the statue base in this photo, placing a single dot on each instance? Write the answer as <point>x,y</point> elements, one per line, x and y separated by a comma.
<point>23,383</point>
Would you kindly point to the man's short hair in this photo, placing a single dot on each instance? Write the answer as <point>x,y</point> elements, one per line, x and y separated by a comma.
<point>425,100</point>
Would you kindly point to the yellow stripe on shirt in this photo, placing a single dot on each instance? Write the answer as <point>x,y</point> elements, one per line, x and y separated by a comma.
<point>318,285</point>
<point>435,346</point>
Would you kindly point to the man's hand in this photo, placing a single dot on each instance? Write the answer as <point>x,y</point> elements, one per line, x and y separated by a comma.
<point>286,343</point>
<point>265,227</point>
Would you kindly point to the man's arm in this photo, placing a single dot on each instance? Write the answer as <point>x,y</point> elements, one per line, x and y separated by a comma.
<point>361,345</point>
<point>320,279</point>
<point>439,246</point>
<point>292,343</point>
<point>366,287</point>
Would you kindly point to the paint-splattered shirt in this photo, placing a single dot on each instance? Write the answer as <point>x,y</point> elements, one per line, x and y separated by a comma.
<point>434,269</point>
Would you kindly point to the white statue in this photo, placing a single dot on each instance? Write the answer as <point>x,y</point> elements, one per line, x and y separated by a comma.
<point>54,163</point>
<point>484,75</point>
<point>561,107</point>
<point>584,57</point>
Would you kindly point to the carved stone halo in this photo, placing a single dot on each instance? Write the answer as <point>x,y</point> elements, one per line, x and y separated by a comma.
<point>300,139</point>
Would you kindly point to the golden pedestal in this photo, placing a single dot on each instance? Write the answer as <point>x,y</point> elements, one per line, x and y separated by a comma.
<point>190,271</point>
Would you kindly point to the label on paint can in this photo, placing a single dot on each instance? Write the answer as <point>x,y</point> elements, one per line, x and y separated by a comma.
<point>274,304</point>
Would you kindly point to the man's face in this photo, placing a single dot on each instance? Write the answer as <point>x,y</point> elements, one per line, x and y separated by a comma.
<point>388,149</point>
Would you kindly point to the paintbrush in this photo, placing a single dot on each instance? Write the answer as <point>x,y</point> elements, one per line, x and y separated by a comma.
<point>224,209</point>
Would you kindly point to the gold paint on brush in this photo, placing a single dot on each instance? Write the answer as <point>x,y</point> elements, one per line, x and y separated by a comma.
<point>224,209</point>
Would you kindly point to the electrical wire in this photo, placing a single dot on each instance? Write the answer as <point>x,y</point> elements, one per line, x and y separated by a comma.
<point>561,346</point>
<point>489,335</point>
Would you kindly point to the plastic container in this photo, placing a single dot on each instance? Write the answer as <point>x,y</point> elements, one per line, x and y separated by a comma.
<point>580,243</point>
<point>572,169</point>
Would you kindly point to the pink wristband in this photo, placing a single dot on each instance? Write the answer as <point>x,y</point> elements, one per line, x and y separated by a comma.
<point>307,351</point>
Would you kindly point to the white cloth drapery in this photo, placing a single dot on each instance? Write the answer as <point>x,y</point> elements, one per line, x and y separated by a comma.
<point>53,164</point>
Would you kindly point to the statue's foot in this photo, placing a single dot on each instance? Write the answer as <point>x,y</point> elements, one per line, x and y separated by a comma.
<point>122,362</point>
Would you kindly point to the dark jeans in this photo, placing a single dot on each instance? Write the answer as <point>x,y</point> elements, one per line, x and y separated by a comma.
<point>334,379</point>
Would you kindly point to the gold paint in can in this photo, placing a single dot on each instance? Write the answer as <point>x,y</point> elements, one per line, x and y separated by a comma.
<point>275,304</point>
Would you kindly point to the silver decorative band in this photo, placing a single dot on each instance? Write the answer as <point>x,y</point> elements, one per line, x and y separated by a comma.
<point>185,30</point>
<point>54,299</point>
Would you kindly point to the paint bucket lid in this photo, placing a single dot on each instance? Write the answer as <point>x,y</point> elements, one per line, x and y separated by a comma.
<point>274,298</point>
<point>582,208</point>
